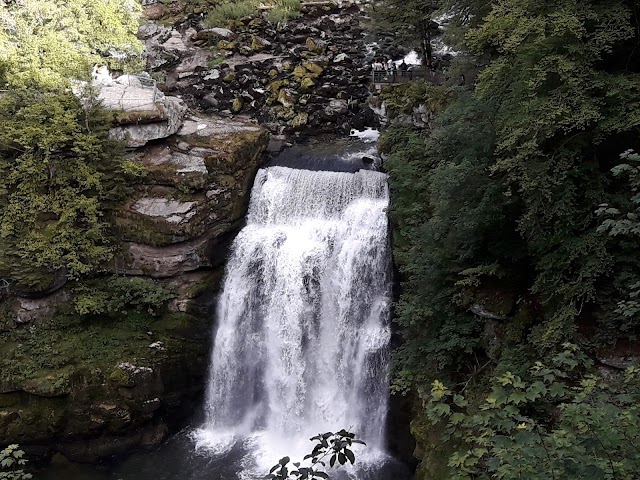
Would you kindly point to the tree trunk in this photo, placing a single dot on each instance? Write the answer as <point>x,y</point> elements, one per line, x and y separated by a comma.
<point>425,41</point>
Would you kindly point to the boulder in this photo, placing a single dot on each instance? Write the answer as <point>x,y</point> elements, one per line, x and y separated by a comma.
<point>336,108</point>
<point>30,309</point>
<point>141,112</point>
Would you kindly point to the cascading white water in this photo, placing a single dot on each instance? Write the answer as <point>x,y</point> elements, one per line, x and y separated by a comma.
<point>301,345</point>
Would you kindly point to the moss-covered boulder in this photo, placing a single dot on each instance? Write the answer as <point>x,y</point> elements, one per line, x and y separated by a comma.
<point>95,386</point>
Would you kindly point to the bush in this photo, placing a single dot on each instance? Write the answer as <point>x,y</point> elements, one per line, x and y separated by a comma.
<point>11,462</point>
<point>229,11</point>
<point>284,10</point>
<point>559,421</point>
<point>120,296</point>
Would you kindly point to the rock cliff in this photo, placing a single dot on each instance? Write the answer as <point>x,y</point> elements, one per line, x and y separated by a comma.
<point>91,386</point>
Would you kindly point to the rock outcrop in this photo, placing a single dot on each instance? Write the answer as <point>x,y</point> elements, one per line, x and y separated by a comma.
<point>141,112</point>
<point>95,388</point>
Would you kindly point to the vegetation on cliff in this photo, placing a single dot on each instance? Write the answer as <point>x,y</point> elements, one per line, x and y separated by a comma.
<point>60,173</point>
<point>515,223</point>
<point>44,43</point>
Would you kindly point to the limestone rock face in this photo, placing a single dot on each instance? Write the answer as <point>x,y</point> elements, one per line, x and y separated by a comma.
<point>141,112</point>
<point>198,184</point>
<point>90,388</point>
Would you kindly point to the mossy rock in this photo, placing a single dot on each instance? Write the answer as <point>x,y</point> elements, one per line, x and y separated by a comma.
<point>299,120</point>
<point>53,384</point>
<point>120,378</point>
<point>307,84</point>
<point>314,69</point>
<point>285,113</point>
<point>314,46</point>
<point>257,45</point>
<point>236,105</point>
<point>276,85</point>
<point>227,45</point>
<point>286,98</point>
<point>300,72</point>
<point>432,453</point>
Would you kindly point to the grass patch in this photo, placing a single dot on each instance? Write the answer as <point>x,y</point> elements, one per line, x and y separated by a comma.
<point>230,11</point>
<point>278,11</point>
<point>215,62</point>
<point>284,10</point>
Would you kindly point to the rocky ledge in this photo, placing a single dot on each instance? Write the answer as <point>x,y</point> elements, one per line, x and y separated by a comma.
<point>91,386</point>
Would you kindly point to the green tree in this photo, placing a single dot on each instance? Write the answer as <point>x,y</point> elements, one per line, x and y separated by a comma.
<point>44,43</point>
<point>60,175</point>
<point>409,20</point>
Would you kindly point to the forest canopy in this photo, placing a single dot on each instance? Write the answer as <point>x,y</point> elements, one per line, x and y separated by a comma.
<point>45,43</point>
<point>515,232</point>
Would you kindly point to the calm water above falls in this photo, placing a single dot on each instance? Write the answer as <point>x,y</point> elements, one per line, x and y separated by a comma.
<point>303,320</point>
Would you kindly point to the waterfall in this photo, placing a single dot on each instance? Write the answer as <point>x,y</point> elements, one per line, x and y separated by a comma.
<point>301,345</point>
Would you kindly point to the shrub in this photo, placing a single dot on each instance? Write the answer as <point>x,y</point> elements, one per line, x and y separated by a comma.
<point>229,11</point>
<point>120,296</point>
<point>11,462</point>
<point>284,10</point>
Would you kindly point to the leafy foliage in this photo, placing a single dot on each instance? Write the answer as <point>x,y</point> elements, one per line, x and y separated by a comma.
<point>336,447</point>
<point>44,43</point>
<point>59,176</point>
<point>11,462</point>
<point>504,190</point>
<point>120,295</point>
<point>517,193</point>
<point>559,422</point>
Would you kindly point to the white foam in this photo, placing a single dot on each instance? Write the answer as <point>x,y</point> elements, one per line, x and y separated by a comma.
<point>301,345</point>
<point>368,135</point>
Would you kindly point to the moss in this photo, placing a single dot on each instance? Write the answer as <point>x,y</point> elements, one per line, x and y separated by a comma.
<point>120,378</point>
<point>237,105</point>
<point>307,84</point>
<point>226,45</point>
<point>300,71</point>
<point>430,450</point>
<point>215,62</point>
<point>313,68</point>
<point>256,44</point>
<point>275,86</point>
